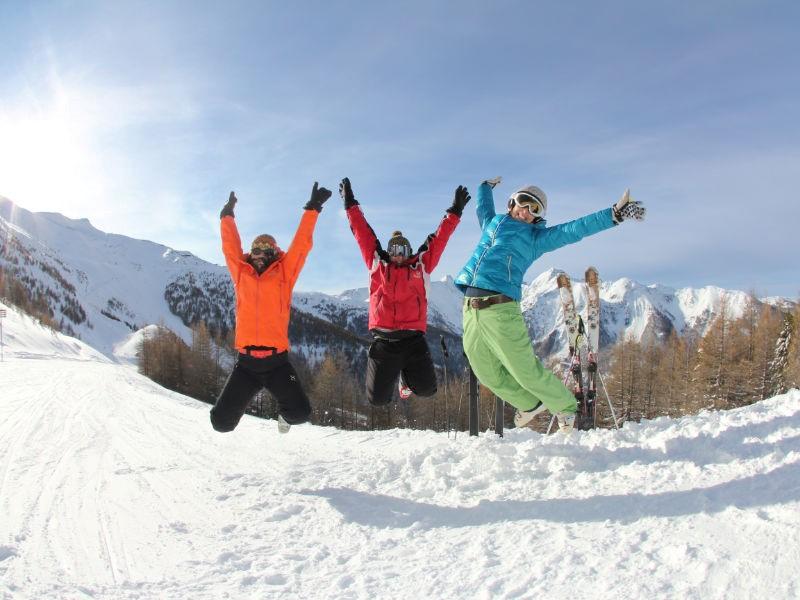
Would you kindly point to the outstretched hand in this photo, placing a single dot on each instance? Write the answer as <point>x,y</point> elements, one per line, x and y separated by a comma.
<point>346,192</point>
<point>460,200</point>
<point>319,196</point>
<point>628,209</point>
<point>227,210</point>
<point>493,181</point>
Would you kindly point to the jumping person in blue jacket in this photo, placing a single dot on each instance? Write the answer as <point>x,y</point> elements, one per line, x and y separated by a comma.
<point>496,338</point>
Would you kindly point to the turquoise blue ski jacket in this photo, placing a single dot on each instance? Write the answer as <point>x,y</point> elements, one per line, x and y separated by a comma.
<point>507,247</point>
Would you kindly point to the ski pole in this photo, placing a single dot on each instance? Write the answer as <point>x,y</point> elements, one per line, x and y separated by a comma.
<point>458,412</point>
<point>611,406</point>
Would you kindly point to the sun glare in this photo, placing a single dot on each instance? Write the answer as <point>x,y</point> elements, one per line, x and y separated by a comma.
<point>45,159</point>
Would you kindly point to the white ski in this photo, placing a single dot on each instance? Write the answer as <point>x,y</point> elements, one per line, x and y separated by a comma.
<point>571,318</point>
<point>593,309</point>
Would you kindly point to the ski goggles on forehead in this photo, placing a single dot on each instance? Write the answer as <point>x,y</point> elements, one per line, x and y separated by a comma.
<point>263,249</point>
<point>399,250</point>
<point>529,201</point>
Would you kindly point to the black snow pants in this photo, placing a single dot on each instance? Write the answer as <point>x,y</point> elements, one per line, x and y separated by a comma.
<point>249,376</point>
<point>387,359</point>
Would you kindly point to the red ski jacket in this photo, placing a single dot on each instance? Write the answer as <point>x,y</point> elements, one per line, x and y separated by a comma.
<point>398,294</point>
<point>263,302</point>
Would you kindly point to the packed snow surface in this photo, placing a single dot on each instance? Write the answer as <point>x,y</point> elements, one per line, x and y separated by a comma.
<point>111,487</point>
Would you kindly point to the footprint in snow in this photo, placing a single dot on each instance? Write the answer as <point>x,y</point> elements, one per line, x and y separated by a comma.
<point>179,527</point>
<point>7,552</point>
<point>283,513</point>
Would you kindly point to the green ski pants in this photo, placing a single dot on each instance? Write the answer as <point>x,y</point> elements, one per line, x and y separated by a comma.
<point>499,350</point>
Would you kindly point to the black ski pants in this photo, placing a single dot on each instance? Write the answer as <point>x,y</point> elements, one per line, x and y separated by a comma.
<point>249,376</point>
<point>387,359</point>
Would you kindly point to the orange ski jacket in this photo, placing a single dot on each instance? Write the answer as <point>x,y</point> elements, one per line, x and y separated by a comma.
<point>263,302</point>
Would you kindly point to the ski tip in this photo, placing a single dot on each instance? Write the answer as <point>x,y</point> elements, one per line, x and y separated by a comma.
<point>592,276</point>
<point>563,280</point>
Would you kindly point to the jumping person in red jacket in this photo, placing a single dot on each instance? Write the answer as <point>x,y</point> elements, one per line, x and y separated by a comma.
<point>398,301</point>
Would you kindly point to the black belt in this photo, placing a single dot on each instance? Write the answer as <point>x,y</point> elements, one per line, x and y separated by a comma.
<point>479,303</point>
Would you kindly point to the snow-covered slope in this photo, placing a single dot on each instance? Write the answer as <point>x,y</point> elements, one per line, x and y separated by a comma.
<point>24,337</point>
<point>102,286</point>
<point>111,487</point>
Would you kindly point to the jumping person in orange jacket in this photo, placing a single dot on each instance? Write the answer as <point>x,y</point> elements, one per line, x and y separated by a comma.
<point>263,280</point>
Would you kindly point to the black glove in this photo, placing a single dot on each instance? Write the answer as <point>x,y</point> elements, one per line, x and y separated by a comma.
<point>318,198</point>
<point>459,201</point>
<point>227,210</point>
<point>346,192</point>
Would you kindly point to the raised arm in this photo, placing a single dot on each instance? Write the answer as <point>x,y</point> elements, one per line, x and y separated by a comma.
<point>303,241</point>
<point>431,251</point>
<point>552,238</point>
<point>568,233</point>
<point>485,202</point>
<point>365,237</point>
<point>231,242</point>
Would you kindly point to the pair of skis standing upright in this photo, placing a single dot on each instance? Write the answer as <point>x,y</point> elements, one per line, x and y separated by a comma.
<point>582,335</point>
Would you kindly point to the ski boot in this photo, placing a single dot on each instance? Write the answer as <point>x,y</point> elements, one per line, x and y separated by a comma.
<point>566,422</point>
<point>283,426</point>
<point>523,417</point>
<point>402,389</point>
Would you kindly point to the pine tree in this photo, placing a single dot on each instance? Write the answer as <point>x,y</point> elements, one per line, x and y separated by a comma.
<point>651,393</point>
<point>778,366</point>
<point>332,391</point>
<point>623,379</point>
<point>793,356</point>
<point>672,377</point>
<point>767,332</point>
<point>713,364</point>
<point>201,380</point>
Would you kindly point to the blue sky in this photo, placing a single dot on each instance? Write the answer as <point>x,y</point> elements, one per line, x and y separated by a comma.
<point>142,116</point>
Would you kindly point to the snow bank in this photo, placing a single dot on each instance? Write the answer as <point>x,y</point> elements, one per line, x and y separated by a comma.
<point>111,487</point>
<point>114,488</point>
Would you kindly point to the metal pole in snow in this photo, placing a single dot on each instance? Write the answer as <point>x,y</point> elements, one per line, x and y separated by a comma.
<point>611,406</point>
<point>446,355</point>
<point>2,316</point>
<point>498,415</point>
<point>473,403</point>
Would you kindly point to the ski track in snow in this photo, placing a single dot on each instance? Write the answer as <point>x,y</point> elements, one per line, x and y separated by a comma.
<point>111,487</point>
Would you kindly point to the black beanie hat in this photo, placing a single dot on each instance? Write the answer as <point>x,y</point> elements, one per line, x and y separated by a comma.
<point>398,240</point>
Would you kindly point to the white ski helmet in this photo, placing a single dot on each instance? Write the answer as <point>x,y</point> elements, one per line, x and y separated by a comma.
<point>530,196</point>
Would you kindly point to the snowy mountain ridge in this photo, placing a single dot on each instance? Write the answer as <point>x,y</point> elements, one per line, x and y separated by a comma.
<point>629,308</point>
<point>104,287</point>
<point>114,488</point>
